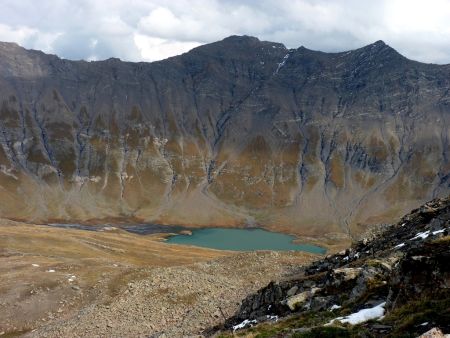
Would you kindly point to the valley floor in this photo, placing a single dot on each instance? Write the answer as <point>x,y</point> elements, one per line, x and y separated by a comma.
<point>71,283</point>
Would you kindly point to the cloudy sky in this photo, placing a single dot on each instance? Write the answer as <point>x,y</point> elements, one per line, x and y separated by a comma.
<point>147,30</point>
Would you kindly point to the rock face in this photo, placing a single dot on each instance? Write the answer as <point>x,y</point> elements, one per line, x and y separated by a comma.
<point>237,131</point>
<point>405,269</point>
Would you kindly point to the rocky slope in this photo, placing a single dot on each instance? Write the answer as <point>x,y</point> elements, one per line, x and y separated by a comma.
<point>398,279</point>
<point>239,131</point>
<point>176,301</point>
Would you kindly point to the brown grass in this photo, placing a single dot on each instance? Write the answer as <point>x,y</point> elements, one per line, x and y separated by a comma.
<point>337,173</point>
<point>103,263</point>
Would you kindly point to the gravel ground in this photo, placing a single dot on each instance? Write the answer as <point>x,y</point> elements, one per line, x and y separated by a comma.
<point>176,301</point>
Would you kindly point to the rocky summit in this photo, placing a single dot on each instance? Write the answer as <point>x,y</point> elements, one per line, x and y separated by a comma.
<point>392,283</point>
<point>240,131</point>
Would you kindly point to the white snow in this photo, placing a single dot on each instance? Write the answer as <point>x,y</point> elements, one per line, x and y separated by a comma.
<point>71,278</point>
<point>438,231</point>
<point>399,245</point>
<point>273,318</point>
<point>403,224</point>
<point>422,235</point>
<point>281,64</point>
<point>95,179</point>
<point>35,265</point>
<point>424,324</point>
<point>50,270</point>
<point>244,324</point>
<point>8,171</point>
<point>362,315</point>
<point>334,307</point>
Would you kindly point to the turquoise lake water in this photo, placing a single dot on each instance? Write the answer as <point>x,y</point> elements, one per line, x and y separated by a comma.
<point>242,240</point>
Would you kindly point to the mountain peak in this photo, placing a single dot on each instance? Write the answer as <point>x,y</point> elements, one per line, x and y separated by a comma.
<point>241,48</point>
<point>249,41</point>
<point>377,51</point>
<point>241,39</point>
<point>380,45</point>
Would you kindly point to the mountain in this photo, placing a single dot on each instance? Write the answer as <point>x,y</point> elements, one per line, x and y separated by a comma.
<point>235,132</point>
<point>393,283</point>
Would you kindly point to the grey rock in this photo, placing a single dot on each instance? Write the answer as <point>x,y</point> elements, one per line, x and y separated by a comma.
<point>292,291</point>
<point>124,139</point>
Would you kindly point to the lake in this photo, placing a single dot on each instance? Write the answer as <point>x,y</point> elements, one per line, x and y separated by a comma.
<point>214,238</point>
<point>242,240</point>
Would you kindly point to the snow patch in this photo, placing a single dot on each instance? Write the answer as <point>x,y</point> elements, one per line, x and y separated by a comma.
<point>334,307</point>
<point>8,171</point>
<point>124,176</point>
<point>81,180</point>
<point>160,142</point>
<point>362,316</point>
<point>438,231</point>
<point>35,265</point>
<point>272,318</point>
<point>244,324</point>
<point>50,270</point>
<point>281,64</point>
<point>422,235</point>
<point>399,245</point>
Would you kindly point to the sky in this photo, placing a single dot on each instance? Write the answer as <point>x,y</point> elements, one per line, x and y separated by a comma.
<point>149,30</point>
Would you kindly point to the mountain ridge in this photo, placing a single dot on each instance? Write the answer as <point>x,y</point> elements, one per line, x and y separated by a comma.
<point>240,39</point>
<point>258,135</point>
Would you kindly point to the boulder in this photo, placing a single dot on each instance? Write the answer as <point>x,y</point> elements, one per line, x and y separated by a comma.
<point>296,301</point>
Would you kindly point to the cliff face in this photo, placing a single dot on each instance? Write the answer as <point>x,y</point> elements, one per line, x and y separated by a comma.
<point>237,131</point>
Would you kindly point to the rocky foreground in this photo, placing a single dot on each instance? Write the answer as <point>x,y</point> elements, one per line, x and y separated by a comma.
<point>70,283</point>
<point>176,301</point>
<point>393,283</point>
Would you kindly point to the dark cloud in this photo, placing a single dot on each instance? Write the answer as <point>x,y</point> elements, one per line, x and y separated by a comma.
<point>149,30</point>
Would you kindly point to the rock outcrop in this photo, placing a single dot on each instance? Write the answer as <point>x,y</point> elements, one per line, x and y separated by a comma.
<point>234,132</point>
<point>403,273</point>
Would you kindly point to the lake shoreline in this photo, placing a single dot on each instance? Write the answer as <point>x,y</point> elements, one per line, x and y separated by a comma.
<point>169,232</point>
<point>243,239</point>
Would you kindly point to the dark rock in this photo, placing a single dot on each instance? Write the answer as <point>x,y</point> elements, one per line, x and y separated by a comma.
<point>321,303</point>
<point>398,277</point>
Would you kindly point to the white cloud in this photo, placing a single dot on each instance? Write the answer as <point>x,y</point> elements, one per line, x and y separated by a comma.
<point>31,37</point>
<point>156,48</point>
<point>152,29</point>
<point>415,16</point>
<point>114,26</point>
<point>18,34</point>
